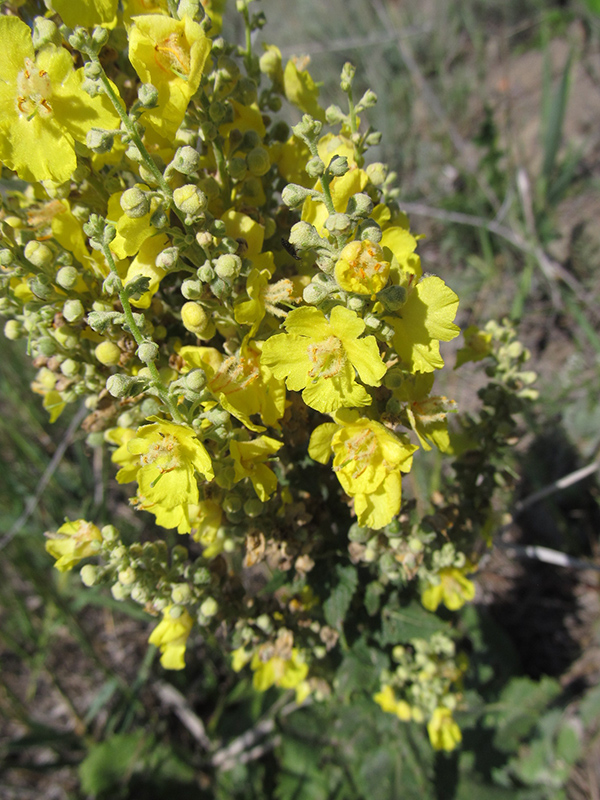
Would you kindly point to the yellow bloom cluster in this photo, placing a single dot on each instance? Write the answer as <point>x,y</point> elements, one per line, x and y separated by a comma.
<point>240,304</point>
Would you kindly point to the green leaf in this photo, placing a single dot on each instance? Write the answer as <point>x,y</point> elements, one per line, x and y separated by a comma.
<point>410,622</point>
<point>360,669</point>
<point>110,763</point>
<point>373,594</point>
<point>337,604</point>
<point>519,708</point>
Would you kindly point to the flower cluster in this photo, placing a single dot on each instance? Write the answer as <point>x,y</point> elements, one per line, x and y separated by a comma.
<point>238,304</point>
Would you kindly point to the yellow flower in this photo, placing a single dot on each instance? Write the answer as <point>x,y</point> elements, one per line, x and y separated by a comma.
<point>287,673</point>
<point>171,635</point>
<point>453,589</point>
<point>264,296</point>
<point>144,265</point>
<point>361,268</point>
<point>169,457</point>
<point>388,702</point>
<point>86,12</point>
<point>424,320</point>
<point>241,383</point>
<point>129,463</point>
<point>170,54</point>
<point>72,542</point>
<point>320,357</point>
<point>427,415</point>
<point>249,458</point>
<point>368,460</point>
<point>43,109</point>
<point>444,733</point>
<point>342,189</point>
<point>301,90</point>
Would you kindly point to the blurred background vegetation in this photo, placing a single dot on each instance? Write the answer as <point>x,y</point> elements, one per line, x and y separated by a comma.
<point>490,113</point>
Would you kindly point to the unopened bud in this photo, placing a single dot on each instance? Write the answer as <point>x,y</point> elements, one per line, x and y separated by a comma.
<point>147,352</point>
<point>228,266</point>
<point>190,200</point>
<point>258,161</point>
<point>38,254</point>
<point>148,95</point>
<point>135,203</point>
<point>186,160</point>
<point>73,310</point>
<point>66,277</point>
<point>294,195</point>
<point>108,353</point>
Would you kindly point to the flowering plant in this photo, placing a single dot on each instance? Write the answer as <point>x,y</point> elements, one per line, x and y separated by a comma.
<point>241,308</point>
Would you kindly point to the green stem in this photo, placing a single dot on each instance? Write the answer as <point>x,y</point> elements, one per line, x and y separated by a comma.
<point>325,181</point>
<point>139,338</point>
<point>222,173</point>
<point>134,136</point>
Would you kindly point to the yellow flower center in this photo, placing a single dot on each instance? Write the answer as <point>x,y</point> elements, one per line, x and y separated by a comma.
<point>173,55</point>
<point>361,451</point>
<point>166,450</point>
<point>328,358</point>
<point>280,292</point>
<point>362,267</point>
<point>33,91</point>
<point>234,374</point>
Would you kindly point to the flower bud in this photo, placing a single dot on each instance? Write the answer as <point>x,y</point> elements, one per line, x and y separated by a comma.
<point>120,385</point>
<point>377,173</point>
<point>66,277</point>
<point>368,100</point>
<point>347,76</point>
<point>315,167</point>
<point>392,297</point>
<point>334,115</point>
<point>186,160</point>
<point>46,347</point>
<point>119,592</point>
<point>45,32</point>
<point>338,223</point>
<point>66,337</point>
<point>360,205</point>
<point>181,593</point>
<point>100,36</point>
<point>303,236</point>
<point>228,266</point>
<point>167,258</point>
<point>108,353</point>
<point>147,352</point>
<point>13,329</point>
<point>294,195</point>
<point>314,293</point>
<point>195,318</point>
<point>258,161</point>
<point>89,574</point>
<point>70,367</point>
<point>38,254</point>
<point>237,168</point>
<point>209,607</point>
<point>228,67</point>
<point>73,310</point>
<point>191,289</point>
<point>195,380</point>
<point>338,165</point>
<point>135,203</point>
<point>206,273</point>
<point>148,95</point>
<point>190,200</point>
<point>6,257</point>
